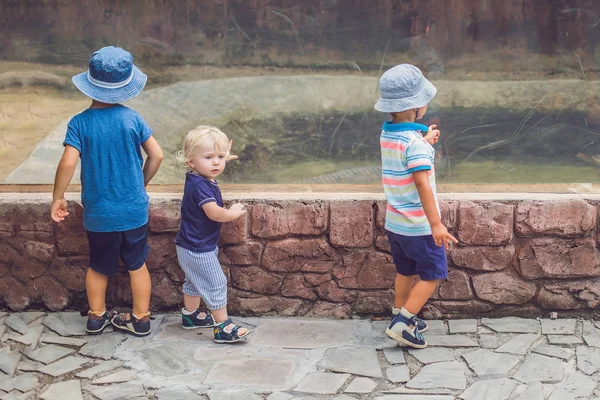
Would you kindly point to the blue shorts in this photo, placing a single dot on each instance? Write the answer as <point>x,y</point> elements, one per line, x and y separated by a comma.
<point>107,247</point>
<point>418,255</point>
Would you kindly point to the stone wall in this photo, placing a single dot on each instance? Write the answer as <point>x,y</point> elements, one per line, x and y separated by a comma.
<point>326,257</point>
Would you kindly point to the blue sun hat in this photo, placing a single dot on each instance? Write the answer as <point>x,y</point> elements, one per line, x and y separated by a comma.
<point>403,88</point>
<point>111,78</point>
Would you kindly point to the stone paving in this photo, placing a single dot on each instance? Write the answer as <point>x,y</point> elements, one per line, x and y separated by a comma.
<point>48,356</point>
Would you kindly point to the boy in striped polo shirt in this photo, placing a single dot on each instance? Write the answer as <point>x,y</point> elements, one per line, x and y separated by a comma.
<point>417,237</point>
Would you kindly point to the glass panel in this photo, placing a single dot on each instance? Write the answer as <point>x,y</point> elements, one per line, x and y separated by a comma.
<point>293,83</point>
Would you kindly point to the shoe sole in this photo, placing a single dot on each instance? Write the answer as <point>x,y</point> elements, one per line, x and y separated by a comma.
<point>136,334</point>
<point>400,339</point>
<point>233,341</point>
<point>198,327</point>
<point>98,331</point>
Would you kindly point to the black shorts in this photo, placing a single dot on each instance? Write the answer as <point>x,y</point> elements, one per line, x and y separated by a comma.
<point>107,247</point>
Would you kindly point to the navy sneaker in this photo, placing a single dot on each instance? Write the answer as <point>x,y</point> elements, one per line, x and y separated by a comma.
<point>422,325</point>
<point>97,323</point>
<point>400,330</point>
<point>134,326</point>
<point>193,320</point>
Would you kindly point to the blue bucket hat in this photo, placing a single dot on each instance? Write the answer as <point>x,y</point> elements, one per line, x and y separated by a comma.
<point>111,78</point>
<point>404,88</point>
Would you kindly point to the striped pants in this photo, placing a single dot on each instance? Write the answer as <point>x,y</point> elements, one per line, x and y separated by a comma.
<point>204,277</point>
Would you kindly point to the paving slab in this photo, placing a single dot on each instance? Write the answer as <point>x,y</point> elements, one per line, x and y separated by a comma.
<point>61,340</point>
<point>322,383</point>
<point>67,390</point>
<point>415,397</point>
<point>168,359</point>
<point>353,360</point>
<point>307,334</point>
<point>101,368</point>
<point>394,355</point>
<point>588,359</point>
<point>252,372</point>
<point>591,335</point>
<point>448,375</point>
<point>450,341</point>
<point>512,325</point>
<point>31,316</point>
<point>29,366</point>
<point>361,385</point>
<point>16,324</point>
<point>493,389</point>
<point>537,368</point>
<point>462,326</point>
<point>565,340</point>
<point>519,344</point>
<point>23,383</point>
<point>488,341</point>
<point>282,396</point>
<point>487,363</point>
<point>30,338</point>
<point>432,355</point>
<point>436,327</point>
<point>102,346</point>
<point>66,324</point>
<point>16,395</point>
<point>9,360</point>
<point>177,393</point>
<point>339,397</point>
<point>398,374</point>
<point>575,386</point>
<point>119,391</point>
<point>554,351</point>
<point>558,326</point>
<point>64,366</point>
<point>49,353</point>
<point>117,377</point>
<point>534,391</point>
<point>233,395</point>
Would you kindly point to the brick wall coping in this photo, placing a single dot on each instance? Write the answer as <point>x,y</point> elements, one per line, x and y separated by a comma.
<point>278,196</point>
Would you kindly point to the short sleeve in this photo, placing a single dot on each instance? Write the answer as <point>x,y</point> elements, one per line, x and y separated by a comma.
<point>73,137</point>
<point>144,129</point>
<point>204,193</point>
<point>418,156</point>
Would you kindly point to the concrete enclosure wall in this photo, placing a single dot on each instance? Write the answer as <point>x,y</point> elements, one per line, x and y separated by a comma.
<point>326,256</point>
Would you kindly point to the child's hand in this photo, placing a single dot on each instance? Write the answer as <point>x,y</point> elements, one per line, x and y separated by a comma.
<point>433,135</point>
<point>58,210</point>
<point>238,209</point>
<point>228,155</point>
<point>441,236</point>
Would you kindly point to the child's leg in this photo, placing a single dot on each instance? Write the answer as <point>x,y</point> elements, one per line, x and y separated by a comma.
<point>191,303</point>
<point>402,287</point>
<point>95,286</point>
<point>141,287</point>
<point>419,295</point>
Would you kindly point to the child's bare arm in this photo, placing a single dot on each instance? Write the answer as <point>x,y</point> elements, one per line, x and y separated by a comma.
<point>155,157</point>
<point>220,214</point>
<point>439,231</point>
<point>64,174</point>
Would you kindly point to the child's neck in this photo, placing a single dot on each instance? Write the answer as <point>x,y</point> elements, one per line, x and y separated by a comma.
<point>399,118</point>
<point>99,104</point>
<point>205,177</point>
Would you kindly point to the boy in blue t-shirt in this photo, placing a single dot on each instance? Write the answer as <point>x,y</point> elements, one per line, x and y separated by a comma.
<point>108,137</point>
<point>205,152</point>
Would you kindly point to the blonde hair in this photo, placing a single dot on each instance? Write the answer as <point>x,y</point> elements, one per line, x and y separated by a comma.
<point>200,135</point>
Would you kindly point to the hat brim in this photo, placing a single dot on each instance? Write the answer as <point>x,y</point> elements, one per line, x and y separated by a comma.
<point>418,100</point>
<point>112,96</point>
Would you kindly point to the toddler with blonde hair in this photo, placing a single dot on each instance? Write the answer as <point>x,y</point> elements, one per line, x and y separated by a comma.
<point>205,152</point>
